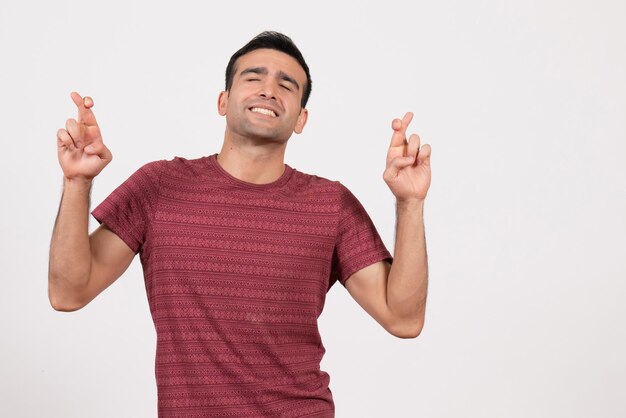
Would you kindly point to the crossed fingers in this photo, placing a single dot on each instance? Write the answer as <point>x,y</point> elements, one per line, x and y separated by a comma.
<point>76,134</point>
<point>399,139</point>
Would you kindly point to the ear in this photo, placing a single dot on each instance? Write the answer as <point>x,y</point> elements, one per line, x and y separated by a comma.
<point>302,118</point>
<point>222,103</point>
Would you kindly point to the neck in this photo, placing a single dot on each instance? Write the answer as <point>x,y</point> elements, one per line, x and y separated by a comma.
<point>258,164</point>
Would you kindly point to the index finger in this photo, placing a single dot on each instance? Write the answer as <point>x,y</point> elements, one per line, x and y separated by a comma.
<point>398,124</point>
<point>85,114</point>
<point>399,129</point>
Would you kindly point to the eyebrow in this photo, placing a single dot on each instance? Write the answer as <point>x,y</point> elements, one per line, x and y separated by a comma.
<point>262,70</point>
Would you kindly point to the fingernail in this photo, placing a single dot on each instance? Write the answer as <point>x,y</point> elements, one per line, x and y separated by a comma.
<point>89,148</point>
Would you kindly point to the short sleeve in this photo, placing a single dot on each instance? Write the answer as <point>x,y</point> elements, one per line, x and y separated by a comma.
<point>128,210</point>
<point>357,243</point>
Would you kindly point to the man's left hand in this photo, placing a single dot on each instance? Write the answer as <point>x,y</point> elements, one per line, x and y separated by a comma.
<point>408,167</point>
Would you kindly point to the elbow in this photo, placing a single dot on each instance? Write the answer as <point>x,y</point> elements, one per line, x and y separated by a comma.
<point>410,334</point>
<point>414,333</point>
<point>407,329</point>
<point>63,307</point>
<point>59,301</point>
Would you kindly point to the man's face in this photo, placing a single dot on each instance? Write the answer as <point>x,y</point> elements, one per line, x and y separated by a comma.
<point>265,96</point>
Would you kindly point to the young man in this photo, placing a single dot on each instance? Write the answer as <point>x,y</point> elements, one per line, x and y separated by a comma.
<point>239,249</point>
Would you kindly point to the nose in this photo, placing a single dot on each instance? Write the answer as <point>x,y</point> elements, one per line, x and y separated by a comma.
<point>268,90</point>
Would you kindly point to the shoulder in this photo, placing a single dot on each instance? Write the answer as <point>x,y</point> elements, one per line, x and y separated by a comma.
<point>315,183</point>
<point>325,183</point>
<point>150,174</point>
<point>339,195</point>
<point>175,166</point>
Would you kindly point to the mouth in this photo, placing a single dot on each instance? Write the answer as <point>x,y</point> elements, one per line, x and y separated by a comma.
<point>263,111</point>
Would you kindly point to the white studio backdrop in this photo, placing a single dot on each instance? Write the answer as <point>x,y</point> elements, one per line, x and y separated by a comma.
<point>523,104</point>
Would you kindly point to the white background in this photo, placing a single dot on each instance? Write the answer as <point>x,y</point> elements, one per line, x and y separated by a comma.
<point>523,104</point>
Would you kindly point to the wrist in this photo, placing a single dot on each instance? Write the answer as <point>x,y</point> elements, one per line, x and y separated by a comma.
<point>77,183</point>
<point>410,203</point>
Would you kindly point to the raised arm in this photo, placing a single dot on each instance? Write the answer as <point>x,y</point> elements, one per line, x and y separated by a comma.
<point>81,265</point>
<point>395,295</point>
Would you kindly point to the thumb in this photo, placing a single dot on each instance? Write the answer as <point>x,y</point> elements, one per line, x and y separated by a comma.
<point>399,163</point>
<point>99,149</point>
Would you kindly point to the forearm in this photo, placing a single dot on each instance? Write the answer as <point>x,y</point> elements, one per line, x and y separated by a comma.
<point>407,284</point>
<point>70,252</point>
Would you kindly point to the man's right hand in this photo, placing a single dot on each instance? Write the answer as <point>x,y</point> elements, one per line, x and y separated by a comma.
<point>82,265</point>
<point>81,152</point>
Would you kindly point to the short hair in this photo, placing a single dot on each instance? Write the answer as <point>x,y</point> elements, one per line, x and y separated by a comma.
<point>278,42</point>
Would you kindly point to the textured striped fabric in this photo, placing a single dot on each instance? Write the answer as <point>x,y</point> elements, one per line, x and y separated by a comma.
<point>236,276</point>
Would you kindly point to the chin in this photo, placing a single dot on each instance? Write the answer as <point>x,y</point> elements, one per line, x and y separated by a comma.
<point>264,134</point>
<point>275,139</point>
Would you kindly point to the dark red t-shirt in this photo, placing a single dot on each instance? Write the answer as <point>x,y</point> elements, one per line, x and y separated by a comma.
<point>236,276</point>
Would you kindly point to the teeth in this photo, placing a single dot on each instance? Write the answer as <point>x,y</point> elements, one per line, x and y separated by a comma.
<point>264,111</point>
